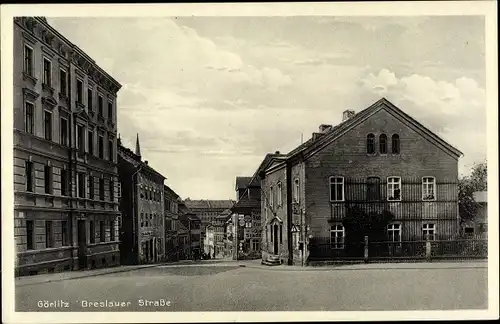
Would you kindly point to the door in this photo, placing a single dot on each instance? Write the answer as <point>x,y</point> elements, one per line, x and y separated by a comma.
<point>82,245</point>
<point>276,242</point>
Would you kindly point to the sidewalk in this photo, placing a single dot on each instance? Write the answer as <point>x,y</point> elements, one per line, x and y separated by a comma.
<point>255,264</point>
<point>68,275</point>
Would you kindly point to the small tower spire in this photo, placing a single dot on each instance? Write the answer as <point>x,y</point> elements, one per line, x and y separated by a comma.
<point>137,146</point>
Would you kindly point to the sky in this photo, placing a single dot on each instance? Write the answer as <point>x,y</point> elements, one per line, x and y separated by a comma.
<point>210,96</point>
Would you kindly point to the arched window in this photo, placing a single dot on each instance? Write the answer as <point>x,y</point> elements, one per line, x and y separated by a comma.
<point>395,144</point>
<point>383,144</point>
<point>370,144</point>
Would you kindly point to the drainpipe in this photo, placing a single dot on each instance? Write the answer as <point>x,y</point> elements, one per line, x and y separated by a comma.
<point>70,169</point>
<point>135,242</point>
<point>289,198</point>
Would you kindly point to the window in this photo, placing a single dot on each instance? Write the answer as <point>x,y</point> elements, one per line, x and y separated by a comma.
<point>100,104</point>
<point>469,231</point>
<point>79,91</point>
<point>81,184</point>
<point>429,232</point>
<point>370,144</point>
<point>110,110</point>
<point>271,196</point>
<point>296,190</point>
<point>337,235</point>
<point>63,82</point>
<point>395,144</point>
<point>47,72</point>
<point>271,231</point>
<point>90,98</point>
<point>91,141</point>
<point>91,232</point>
<point>30,231</point>
<point>28,61</point>
<point>336,189</point>
<point>64,233</point>
<point>394,232</point>
<point>111,190</point>
<point>142,220</point>
<point>91,187</point>
<point>102,231</point>
<point>112,231</point>
<point>280,195</point>
<point>394,189</point>
<point>373,189</point>
<point>64,182</point>
<point>80,134</point>
<point>101,147</point>
<point>110,150</point>
<point>64,131</point>
<point>255,245</point>
<point>428,188</point>
<point>383,144</point>
<point>119,191</point>
<point>29,175</point>
<point>29,123</point>
<point>47,120</point>
<point>47,173</point>
<point>49,235</point>
<point>101,189</point>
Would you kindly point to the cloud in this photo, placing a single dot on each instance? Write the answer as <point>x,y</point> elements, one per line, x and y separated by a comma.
<point>454,110</point>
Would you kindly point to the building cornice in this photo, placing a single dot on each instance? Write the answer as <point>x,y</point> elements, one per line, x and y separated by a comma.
<point>39,28</point>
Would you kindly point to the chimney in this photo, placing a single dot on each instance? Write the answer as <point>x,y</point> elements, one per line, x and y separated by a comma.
<point>316,136</point>
<point>323,128</point>
<point>277,152</point>
<point>347,114</point>
<point>146,162</point>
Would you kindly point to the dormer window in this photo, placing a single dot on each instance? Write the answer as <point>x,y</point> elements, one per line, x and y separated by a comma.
<point>370,144</point>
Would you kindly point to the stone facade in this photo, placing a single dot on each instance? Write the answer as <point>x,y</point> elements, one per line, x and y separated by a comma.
<point>65,166</point>
<point>142,206</point>
<point>171,224</point>
<point>337,157</point>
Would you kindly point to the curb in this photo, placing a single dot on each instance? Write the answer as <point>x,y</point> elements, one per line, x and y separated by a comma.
<point>87,275</point>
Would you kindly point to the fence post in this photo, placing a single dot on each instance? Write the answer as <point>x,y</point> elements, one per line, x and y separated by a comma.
<point>366,249</point>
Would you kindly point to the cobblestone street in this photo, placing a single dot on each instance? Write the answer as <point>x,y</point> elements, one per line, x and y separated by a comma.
<point>229,286</point>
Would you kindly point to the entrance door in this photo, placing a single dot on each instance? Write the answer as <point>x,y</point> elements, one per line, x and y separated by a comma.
<point>82,245</point>
<point>276,242</point>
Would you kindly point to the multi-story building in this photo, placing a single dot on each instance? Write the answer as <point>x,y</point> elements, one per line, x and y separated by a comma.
<point>171,224</point>
<point>65,165</point>
<point>183,235</point>
<point>379,162</point>
<point>214,236</point>
<point>193,223</point>
<point>207,211</point>
<point>143,222</point>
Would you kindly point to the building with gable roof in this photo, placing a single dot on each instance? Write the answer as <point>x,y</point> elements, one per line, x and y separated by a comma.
<point>142,232</point>
<point>378,160</point>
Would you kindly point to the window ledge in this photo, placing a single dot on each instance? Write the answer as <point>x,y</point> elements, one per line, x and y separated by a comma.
<point>30,78</point>
<point>48,88</point>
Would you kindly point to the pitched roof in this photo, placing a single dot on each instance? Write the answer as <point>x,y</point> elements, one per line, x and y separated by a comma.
<point>481,196</point>
<point>311,145</point>
<point>207,204</point>
<point>242,182</point>
<point>171,191</point>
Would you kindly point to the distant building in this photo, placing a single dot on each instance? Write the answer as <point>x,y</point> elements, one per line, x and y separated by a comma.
<point>379,161</point>
<point>65,166</point>
<point>478,226</point>
<point>207,210</point>
<point>193,224</point>
<point>183,234</point>
<point>171,224</point>
<point>142,207</point>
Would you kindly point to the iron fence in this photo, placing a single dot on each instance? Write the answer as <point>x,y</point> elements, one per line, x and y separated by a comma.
<point>458,248</point>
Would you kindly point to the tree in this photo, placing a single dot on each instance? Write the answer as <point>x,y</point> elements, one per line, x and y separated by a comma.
<point>476,181</point>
